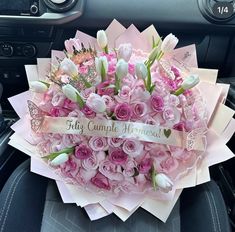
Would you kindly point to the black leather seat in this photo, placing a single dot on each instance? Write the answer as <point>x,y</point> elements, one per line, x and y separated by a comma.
<point>23,201</point>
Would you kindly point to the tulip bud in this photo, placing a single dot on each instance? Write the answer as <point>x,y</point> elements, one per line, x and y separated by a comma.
<point>38,86</point>
<point>96,103</point>
<point>164,182</point>
<point>68,67</point>
<point>102,39</point>
<point>124,52</point>
<point>169,43</point>
<point>121,68</point>
<point>141,70</point>
<point>60,159</point>
<point>72,94</point>
<point>188,83</point>
<point>101,64</point>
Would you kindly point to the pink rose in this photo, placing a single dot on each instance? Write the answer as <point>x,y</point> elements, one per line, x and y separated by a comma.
<point>101,181</point>
<point>124,94</point>
<point>176,71</point>
<point>169,165</point>
<point>168,114</point>
<point>156,103</point>
<point>84,176</point>
<point>109,102</point>
<point>130,168</point>
<point>86,92</point>
<point>70,140</point>
<point>58,112</point>
<point>118,156</point>
<point>82,152</point>
<point>103,88</point>
<point>71,167</point>
<point>90,163</point>
<point>115,142</point>
<point>131,69</point>
<point>171,115</point>
<point>139,94</point>
<point>109,170</point>
<point>58,99</point>
<point>133,148</point>
<point>179,126</point>
<point>173,100</point>
<point>76,113</point>
<point>145,166</point>
<point>98,144</point>
<point>88,112</point>
<point>71,44</point>
<point>123,112</point>
<point>111,68</point>
<point>68,104</point>
<point>139,110</point>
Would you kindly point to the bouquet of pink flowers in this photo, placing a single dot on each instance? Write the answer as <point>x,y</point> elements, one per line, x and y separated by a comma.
<point>117,117</point>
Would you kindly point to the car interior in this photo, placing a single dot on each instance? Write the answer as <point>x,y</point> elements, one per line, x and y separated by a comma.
<point>30,29</point>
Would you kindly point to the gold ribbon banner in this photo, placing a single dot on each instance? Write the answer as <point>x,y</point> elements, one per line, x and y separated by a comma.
<point>126,130</point>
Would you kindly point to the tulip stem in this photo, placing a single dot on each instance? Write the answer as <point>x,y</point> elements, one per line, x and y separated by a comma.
<point>102,73</point>
<point>179,91</point>
<point>153,174</point>
<point>53,155</point>
<point>117,84</point>
<point>160,55</point>
<point>106,50</point>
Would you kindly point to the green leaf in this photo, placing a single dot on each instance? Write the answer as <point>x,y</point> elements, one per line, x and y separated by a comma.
<point>152,88</point>
<point>53,155</point>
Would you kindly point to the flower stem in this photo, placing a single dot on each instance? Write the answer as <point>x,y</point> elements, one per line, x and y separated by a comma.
<point>106,50</point>
<point>153,174</point>
<point>103,73</point>
<point>149,81</point>
<point>117,83</point>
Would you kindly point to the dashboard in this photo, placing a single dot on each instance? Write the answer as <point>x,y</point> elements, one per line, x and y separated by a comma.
<point>31,28</point>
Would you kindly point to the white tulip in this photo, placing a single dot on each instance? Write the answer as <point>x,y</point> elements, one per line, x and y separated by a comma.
<point>96,103</point>
<point>68,67</point>
<point>121,68</point>
<point>190,81</point>
<point>169,43</point>
<point>163,181</point>
<point>125,52</point>
<point>60,159</point>
<point>38,86</point>
<point>102,39</point>
<point>70,92</point>
<point>141,70</point>
<point>101,63</point>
